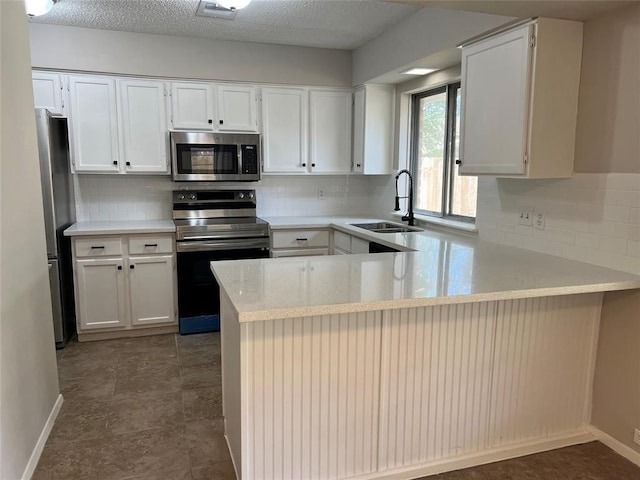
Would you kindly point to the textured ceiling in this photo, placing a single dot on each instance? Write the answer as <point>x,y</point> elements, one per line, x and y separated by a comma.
<point>342,24</point>
<point>568,9</point>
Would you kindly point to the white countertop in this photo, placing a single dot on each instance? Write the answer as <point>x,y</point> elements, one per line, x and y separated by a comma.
<point>445,269</point>
<point>122,227</point>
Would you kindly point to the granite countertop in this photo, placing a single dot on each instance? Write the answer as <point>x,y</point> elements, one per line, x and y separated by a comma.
<point>443,269</point>
<point>121,227</point>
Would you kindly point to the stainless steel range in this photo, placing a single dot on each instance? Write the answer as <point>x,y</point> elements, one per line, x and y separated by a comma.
<point>212,225</point>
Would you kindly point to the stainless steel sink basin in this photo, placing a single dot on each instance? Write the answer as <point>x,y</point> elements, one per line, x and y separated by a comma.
<point>384,227</point>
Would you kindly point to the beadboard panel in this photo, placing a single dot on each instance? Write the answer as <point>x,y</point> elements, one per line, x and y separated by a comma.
<point>436,382</point>
<point>543,367</point>
<point>312,393</point>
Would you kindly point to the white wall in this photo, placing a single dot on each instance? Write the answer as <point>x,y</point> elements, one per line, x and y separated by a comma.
<point>28,373</point>
<point>426,32</point>
<point>88,49</point>
<point>101,198</point>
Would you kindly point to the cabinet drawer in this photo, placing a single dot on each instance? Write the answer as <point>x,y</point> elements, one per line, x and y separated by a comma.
<point>300,238</point>
<point>150,244</point>
<point>301,252</point>
<point>342,241</point>
<point>98,246</point>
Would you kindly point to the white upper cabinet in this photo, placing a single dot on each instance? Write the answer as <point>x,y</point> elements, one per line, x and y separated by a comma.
<point>520,100</point>
<point>237,110</point>
<point>373,110</point>
<point>94,124</point>
<point>48,92</point>
<point>143,122</point>
<point>284,126</point>
<point>192,106</point>
<point>330,131</point>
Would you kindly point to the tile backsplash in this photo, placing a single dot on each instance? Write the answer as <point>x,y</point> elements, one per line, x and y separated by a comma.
<point>108,197</point>
<point>593,218</point>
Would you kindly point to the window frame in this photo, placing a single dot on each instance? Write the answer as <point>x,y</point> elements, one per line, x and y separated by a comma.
<point>451,89</point>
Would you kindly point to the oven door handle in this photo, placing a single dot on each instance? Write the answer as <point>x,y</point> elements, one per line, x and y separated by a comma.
<point>212,245</point>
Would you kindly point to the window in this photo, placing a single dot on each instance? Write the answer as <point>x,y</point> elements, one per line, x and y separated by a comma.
<point>439,190</point>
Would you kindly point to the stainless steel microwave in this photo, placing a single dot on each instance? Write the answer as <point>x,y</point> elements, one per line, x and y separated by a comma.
<point>217,157</point>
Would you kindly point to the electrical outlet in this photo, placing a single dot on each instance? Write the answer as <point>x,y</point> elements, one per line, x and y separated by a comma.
<point>321,193</point>
<point>538,220</point>
<point>636,436</point>
<point>525,217</point>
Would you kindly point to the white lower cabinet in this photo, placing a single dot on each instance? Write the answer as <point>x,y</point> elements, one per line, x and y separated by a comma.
<point>299,242</point>
<point>100,293</point>
<point>117,290</point>
<point>345,244</point>
<point>151,289</point>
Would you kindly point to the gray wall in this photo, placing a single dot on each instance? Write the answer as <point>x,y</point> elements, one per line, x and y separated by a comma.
<point>28,373</point>
<point>72,48</point>
<point>426,32</point>
<point>608,131</point>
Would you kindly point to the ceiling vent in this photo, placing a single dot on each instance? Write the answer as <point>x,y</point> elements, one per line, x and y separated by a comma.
<point>208,8</point>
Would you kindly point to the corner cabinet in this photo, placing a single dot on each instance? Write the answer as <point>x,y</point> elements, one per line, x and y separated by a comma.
<point>48,92</point>
<point>330,131</point>
<point>520,101</point>
<point>373,121</point>
<point>124,284</point>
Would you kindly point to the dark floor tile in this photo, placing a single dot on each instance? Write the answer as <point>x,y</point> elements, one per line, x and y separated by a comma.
<point>200,376</point>
<point>146,453</point>
<point>147,377</point>
<point>211,338</point>
<point>217,471</point>
<point>80,420</point>
<point>202,403</point>
<point>88,387</point>
<point>71,461</point>
<point>41,474</point>
<point>181,474</point>
<point>199,355</point>
<point>132,412</point>
<point>75,367</point>
<point>165,340</point>
<point>206,443</point>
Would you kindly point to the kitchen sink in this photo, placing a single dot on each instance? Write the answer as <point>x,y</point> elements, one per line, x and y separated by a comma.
<point>384,227</point>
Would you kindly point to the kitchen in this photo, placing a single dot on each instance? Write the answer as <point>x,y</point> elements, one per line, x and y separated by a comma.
<point>288,196</point>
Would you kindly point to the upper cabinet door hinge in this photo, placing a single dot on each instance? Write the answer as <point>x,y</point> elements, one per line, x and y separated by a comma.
<point>526,157</point>
<point>532,41</point>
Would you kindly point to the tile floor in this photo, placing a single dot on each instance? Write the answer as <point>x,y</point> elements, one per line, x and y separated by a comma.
<point>147,408</point>
<point>150,408</point>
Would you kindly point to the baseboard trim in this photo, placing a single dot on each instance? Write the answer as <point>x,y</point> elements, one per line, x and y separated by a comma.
<point>616,445</point>
<point>484,457</point>
<point>42,440</point>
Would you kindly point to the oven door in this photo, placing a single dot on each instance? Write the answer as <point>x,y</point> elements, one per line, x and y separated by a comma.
<point>198,291</point>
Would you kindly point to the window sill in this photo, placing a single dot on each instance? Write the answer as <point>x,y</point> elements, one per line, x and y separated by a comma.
<point>443,224</point>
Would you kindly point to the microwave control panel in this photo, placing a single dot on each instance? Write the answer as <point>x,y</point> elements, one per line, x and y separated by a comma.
<point>250,159</point>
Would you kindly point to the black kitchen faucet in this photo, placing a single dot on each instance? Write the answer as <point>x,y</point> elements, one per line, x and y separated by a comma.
<point>409,216</point>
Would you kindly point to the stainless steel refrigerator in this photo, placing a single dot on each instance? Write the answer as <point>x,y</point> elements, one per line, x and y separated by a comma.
<point>59,213</point>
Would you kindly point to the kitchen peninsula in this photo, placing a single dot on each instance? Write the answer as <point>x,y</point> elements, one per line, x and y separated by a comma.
<point>398,365</point>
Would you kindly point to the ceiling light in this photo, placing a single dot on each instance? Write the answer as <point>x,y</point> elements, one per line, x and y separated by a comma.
<point>36,8</point>
<point>233,4</point>
<point>418,71</point>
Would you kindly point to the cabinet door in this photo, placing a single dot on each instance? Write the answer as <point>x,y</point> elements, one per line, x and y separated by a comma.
<point>47,92</point>
<point>192,106</point>
<point>330,122</point>
<point>143,121</point>
<point>151,286</point>
<point>94,124</point>
<point>284,128</point>
<point>359,246</point>
<point>358,130</point>
<point>100,293</point>
<point>495,104</point>
<point>237,110</point>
